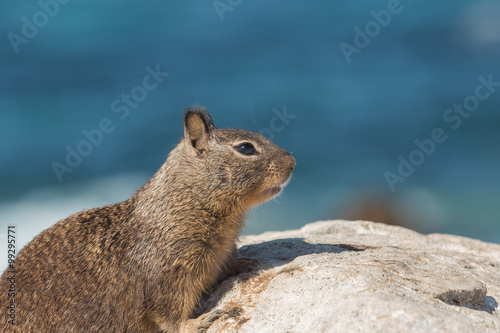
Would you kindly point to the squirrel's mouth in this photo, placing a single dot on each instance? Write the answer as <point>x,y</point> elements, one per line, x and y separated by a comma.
<point>268,193</point>
<point>273,191</point>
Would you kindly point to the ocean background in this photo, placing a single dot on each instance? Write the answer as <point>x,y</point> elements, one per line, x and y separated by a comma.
<point>65,67</point>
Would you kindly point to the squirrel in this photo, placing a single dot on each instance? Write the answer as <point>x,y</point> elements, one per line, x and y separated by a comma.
<point>142,265</point>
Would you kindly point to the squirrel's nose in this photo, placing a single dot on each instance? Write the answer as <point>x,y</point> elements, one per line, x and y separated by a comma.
<point>293,162</point>
<point>288,158</point>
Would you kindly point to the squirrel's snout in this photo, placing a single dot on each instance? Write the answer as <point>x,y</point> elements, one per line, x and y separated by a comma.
<point>288,158</point>
<point>293,162</point>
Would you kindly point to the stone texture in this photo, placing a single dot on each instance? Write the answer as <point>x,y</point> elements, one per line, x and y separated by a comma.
<point>343,276</point>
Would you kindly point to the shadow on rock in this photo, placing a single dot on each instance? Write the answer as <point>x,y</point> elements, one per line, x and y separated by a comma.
<point>269,254</point>
<point>490,306</point>
<point>283,251</point>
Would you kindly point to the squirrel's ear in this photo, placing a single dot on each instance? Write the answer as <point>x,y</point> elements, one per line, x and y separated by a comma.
<point>198,126</point>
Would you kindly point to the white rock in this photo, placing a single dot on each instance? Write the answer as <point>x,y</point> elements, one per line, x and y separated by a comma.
<point>342,276</point>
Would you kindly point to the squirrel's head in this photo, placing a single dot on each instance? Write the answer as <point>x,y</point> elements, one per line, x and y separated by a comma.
<point>235,164</point>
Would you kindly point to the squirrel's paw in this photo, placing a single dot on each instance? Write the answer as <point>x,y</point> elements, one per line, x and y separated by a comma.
<point>243,265</point>
<point>202,323</point>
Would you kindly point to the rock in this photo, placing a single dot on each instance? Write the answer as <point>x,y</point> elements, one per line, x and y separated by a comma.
<point>342,276</point>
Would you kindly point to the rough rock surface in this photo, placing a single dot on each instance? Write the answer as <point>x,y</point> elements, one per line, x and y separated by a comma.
<point>342,276</point>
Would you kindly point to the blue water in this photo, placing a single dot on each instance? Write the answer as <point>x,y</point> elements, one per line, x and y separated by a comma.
<point>351,120</point>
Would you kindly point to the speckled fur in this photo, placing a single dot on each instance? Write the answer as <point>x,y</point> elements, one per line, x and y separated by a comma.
<point>141,265</point>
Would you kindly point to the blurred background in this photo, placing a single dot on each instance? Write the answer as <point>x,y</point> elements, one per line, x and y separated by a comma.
<point>92,96</point>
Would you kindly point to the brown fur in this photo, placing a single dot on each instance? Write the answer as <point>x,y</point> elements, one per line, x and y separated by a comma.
<point>141,265</point>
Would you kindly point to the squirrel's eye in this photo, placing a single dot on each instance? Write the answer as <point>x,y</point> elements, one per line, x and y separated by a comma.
<point>246,149</point>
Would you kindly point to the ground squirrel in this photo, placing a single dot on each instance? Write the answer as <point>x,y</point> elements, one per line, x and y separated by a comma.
<point>141,265</point>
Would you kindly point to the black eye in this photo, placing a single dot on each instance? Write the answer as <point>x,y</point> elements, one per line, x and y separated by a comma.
<point>246,149</point>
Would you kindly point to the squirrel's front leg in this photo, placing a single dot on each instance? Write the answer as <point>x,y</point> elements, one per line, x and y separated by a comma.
<point>235,265</point>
